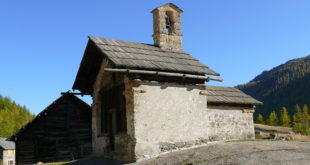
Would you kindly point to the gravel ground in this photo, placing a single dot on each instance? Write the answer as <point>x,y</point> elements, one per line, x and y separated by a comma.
<point>228,153</point>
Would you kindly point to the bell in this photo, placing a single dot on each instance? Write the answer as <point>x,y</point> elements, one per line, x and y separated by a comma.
<point>168,23</point>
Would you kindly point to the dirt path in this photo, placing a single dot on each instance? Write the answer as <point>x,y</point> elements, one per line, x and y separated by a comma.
<point>231,153</point>
<point>239,153</point>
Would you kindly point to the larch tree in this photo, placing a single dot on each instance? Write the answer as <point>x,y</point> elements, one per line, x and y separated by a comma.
<point>273,119</point>
<point>285,119</point>
<point>12,116</point>
<point>305,115</point>
<point>297,120</point>
<point>260,119</point>
<point>305,120</point>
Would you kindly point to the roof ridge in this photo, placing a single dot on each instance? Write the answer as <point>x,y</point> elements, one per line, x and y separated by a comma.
<point>193,59</point>
<point>148,45</point>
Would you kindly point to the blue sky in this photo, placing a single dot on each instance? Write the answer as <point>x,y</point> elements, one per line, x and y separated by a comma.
<point>42,42</point>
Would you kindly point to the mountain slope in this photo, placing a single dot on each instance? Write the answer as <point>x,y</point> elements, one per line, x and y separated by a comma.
<point>285,85</point>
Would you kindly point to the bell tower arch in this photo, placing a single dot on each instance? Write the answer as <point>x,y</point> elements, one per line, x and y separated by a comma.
<point>167,27</point>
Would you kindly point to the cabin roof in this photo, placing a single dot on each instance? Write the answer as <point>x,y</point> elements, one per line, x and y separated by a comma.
<point>7,145</point>
<point>229,95</point>
<point>65,96</point>
<point>132,55</point>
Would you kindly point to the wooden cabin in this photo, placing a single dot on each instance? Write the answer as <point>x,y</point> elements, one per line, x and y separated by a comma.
<point>7,152</point>
<point>60,132</point>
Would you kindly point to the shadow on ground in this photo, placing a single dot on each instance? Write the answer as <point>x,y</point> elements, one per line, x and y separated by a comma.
<point>236,153</point>
<point>95,161</point>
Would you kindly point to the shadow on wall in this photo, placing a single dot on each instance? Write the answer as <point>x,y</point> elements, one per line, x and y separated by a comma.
<point>189,87</point>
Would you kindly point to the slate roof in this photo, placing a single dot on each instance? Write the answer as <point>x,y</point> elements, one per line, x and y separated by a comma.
<point>7,145</point>
<point>229,95</point>
<point>131,55</point>
<point>143,56</point>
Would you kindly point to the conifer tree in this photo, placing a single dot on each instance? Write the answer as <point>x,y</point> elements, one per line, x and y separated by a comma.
<point>260,119</point>
<point>297,120</point>
<point>305,120</point>
<point>12,116</point>
<point>273,119</point>
<point>285,119</point>
<point>306,116</point>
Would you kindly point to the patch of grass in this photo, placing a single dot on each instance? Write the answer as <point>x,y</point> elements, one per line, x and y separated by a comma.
<point>259,137</point>
<point>236,154</point>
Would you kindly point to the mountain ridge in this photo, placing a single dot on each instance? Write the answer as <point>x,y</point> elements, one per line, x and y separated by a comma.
<point>286,85</point>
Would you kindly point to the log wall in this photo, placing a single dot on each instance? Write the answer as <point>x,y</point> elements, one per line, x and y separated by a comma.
<point>62,132</point>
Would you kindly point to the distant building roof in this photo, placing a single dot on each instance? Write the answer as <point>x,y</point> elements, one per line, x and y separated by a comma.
<point>229,95</point>
<point>131,55</point>
<point>7,145</point>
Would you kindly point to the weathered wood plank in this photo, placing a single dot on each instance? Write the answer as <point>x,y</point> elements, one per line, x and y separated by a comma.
<point>55,134</point>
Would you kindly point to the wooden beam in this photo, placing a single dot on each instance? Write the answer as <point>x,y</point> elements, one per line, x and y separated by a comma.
<point>167,74</point>
<point>73,93</point>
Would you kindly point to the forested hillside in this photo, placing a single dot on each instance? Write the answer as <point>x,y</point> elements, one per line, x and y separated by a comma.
<point>12,116</point>
<point>283,86</point>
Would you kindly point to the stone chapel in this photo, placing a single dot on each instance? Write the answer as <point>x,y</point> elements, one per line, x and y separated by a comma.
<point>151,98</point>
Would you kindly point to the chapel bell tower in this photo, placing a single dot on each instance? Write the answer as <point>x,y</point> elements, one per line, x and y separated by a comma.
<point>167,27</point>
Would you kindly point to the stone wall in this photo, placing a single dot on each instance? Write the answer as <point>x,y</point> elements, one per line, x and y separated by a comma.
<point>99,141</point>
<point>8,155</point>
<point>168,116</point>
<point>230,123</point>
<point>165,116</point>
<point>123,141</point>
<point>167,40</point>
<point>171,116</point>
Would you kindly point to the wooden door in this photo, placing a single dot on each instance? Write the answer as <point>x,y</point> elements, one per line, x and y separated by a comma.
<point>113,113</point>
